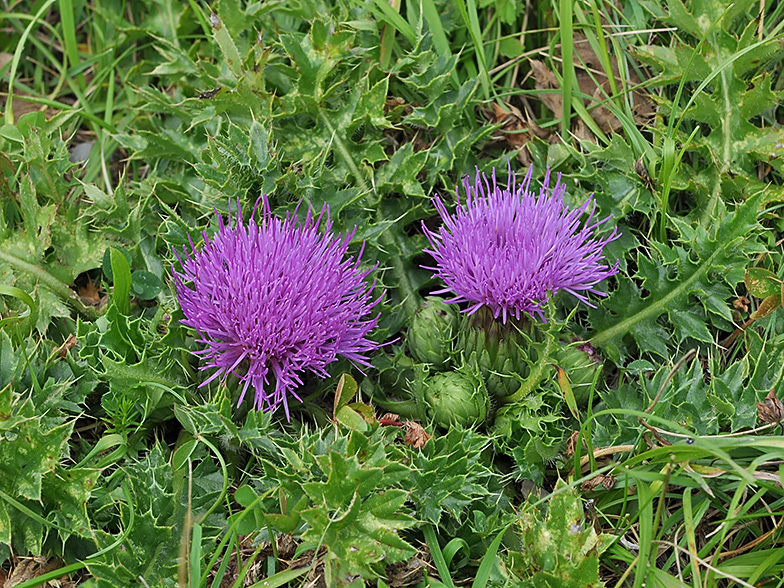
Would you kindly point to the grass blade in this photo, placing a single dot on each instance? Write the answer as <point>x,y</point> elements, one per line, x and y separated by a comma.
<point>488,560</point>
<point>440,42</point>
<point>195,571</point>
<point>471,20</point>
<point>393,18</point>
<point>218,579</point>
<point>567,54</point>
<point>281,578</point>
<point>688,521</point>
<point>9,104</point>
<point>437,555</point>
<point>69,34</point>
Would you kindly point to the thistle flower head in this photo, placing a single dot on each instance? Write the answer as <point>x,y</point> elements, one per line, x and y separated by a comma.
<point>275,297</point>
<point>506,249</point>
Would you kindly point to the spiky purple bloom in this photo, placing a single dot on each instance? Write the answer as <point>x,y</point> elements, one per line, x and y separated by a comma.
<point>275,297</point>
<point>508,250</point>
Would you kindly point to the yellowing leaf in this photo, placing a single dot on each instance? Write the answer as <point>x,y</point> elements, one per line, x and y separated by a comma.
<point>761,282</point>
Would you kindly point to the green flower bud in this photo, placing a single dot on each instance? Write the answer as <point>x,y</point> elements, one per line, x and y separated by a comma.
<point>431,332</point>
<point>512,357</point>
<point>457,398</point>
<point>580,362</point>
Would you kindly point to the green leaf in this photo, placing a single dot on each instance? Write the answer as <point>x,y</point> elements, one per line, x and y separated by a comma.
<point>766,307</point>
<point>37,253</point>
<point>31,314</point>
<point>699,269</point>
<point>345,392</point>
<point>66,494</point>
<point>350,418</point>
<point>11,133</point>
<point>183,453</point>
<point>730,61</point>
<point>147,371</point>
<point>78,249</point>
<point>444,111</point>
<point>115,333</point>
<point>561,548</point>
<point>30,451</point>
<point>99,198</point>
<point>121,276</point>
<point>145,285</point>
<point>345,488</point>
<point>33,447</point>
<point>282,578</point>
<point>449,475</point>
<point>732,386</point>
<point>488,561</point>
<point>227,46</point>
<point>241,160</point>
<point>107,261</point>
<point>566,390</point>
<point>151,543</point>
<point>245,495</point>
<point>165,145</point>
<point>362,535</point>
<point>761,282</point>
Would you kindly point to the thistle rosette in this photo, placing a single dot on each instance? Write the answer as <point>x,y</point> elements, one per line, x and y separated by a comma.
<point>275,297</point>
<point>508,250</point>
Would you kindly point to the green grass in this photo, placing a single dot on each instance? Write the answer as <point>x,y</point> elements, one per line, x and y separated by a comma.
<point>655,469</point>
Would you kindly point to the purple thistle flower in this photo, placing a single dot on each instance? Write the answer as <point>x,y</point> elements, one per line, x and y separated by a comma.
<point>275,296</point>
<point>508,250</point>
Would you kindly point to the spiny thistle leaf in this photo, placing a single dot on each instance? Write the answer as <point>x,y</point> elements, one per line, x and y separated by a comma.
<point>703,399</point>
<point>344,488</point>
<point>561,548</point>
<point>151,546</point>
<point>360,535</point>
<point>448,475</point>
<point>735,62</point>
<point>45,246</point>
<point>34,431</point>
<point>243,160</point>
<point>690,283</point>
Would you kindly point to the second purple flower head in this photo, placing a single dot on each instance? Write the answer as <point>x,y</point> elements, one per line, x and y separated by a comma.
<point>507,249</point>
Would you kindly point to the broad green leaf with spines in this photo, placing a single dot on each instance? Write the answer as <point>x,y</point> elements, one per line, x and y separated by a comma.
<point>703,398</point>
<point>448,475</point>
<point>47,243</point>
<point>360,534</point>
<point>735,60</point>
<point>35,428</point>
<point>152,545</point>
<point>342,492</point>
<point>683,282</point>
<point>561,548</point>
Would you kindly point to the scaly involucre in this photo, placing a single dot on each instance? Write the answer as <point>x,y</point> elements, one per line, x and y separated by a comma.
<point>275,296</point>
<point>509,250</point>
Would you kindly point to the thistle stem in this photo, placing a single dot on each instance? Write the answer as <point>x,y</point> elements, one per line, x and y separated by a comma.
<point>406,409</point>
<point>408,297</point>
<point>532,381</point>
